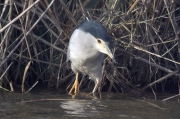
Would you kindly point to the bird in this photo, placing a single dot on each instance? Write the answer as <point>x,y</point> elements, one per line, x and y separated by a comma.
<point>87,47</point>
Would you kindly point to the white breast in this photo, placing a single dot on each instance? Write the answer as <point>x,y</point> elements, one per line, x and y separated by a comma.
<point>83,55</point>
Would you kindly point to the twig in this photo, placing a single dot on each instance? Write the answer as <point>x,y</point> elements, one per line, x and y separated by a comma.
<point>150,63</point>
<point>49,44</point>
<point>169,98</point>
<point>4,89</point>
<point>70,15</point>
<point>159,80</point>
<point>57,65</point>
<point>5,71</point>
<point>131,8</point>
<point>146,51</point>
<point>24,76</point>
<point>32,87</point>
<point>11,86</point>
<point>15,19</point>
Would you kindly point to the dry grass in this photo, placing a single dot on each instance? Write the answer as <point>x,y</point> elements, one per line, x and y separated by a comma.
<point>145,41</point>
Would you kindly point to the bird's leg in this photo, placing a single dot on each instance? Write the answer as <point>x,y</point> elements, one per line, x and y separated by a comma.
<point>75,86</point>
<point>97,86</point>
<point>76,83</point>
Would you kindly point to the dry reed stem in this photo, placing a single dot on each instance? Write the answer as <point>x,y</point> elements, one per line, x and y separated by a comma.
<point>160,80</point>
<point>24,76</point>
<point>132,7</point>
<point>39,31</point>
<point>2,29</point>
<point>5,71</point>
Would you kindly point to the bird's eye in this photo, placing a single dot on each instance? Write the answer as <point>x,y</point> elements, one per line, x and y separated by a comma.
<point>99,41</point>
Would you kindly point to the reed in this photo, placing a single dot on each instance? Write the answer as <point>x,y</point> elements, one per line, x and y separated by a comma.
<point>145,37</point>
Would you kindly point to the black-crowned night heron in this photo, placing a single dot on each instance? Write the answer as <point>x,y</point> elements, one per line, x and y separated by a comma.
<point>87,46</point>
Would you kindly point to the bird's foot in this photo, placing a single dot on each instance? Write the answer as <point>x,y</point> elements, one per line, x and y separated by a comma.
<point>73,94</point>
<point>74,88</point>
<point>94,94</point>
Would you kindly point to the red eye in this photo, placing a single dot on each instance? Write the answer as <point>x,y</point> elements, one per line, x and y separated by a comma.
<point>99,41</point>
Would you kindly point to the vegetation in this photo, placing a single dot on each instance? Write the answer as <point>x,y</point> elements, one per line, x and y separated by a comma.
<point>145,35</point>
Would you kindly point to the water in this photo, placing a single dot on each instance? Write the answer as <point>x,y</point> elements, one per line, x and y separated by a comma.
<point>62,106</point>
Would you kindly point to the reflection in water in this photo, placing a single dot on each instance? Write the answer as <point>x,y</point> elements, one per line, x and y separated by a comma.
<point>81,108</point>
<point>31,106</point>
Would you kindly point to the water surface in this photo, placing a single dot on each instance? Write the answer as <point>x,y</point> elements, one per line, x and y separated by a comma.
<point>62,106</point>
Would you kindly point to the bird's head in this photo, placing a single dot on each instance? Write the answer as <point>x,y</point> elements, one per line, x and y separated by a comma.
<point>103,47</point>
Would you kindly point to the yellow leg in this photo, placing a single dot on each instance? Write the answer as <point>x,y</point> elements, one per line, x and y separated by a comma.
<point>75,86</point>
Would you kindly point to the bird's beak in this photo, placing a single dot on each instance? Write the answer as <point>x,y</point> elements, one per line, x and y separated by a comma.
<point>108,52</point>
<point>105,49</point>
